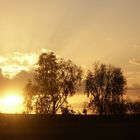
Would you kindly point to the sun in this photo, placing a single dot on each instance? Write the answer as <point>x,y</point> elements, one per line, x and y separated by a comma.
<point>11,103</point>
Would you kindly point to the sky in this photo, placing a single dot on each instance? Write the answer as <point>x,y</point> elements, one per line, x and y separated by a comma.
<point>84,31</point>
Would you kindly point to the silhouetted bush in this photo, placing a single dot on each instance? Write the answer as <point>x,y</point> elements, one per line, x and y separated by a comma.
<point>133,107</point>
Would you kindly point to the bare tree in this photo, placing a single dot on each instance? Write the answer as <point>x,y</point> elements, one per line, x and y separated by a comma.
<point>55,80</point>
<point>106,86</point>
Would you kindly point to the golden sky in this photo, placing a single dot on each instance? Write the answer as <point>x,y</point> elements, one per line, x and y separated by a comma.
<point>82,30</point>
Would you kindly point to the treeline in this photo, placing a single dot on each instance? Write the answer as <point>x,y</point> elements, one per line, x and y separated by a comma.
<point>56,79</point>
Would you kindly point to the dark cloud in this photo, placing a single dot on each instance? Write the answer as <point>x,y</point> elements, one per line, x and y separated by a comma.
<point>18,82</point>
<point>22,78</point>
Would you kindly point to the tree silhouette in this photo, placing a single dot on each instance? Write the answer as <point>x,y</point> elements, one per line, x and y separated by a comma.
<point>55,80</point>
<point>67,110</point>
<point>133,107</point>
<point>106,86</point>
<point>30,92</point>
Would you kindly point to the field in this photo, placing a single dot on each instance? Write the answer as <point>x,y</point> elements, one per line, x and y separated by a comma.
<point>45,127</point>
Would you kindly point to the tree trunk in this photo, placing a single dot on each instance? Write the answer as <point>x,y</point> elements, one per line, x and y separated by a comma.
<point>101,112</point>
<point>53,111</point>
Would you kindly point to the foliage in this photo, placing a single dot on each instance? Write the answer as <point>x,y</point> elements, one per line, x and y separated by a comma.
<point>85,111</point>
<point>133,107</point>
<point>29,95</point>
<point>106,86</point>
<point>67,110</point>
<point>55,80</point>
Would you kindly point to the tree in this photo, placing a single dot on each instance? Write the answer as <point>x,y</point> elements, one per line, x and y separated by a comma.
<point>106,86</point>
<point>133,107</point>
<point>55,80</point>
<point>30,91</point>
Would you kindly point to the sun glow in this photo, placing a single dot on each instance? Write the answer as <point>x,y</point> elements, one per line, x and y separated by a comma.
<point>11,104</point>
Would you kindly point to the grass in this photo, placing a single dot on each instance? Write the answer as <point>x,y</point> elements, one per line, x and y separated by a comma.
<point>47,127</point>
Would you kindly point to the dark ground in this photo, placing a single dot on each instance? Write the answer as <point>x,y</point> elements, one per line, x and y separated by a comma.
<point>42,127</point>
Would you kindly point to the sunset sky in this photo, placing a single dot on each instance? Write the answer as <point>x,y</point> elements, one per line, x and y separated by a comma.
<point>84,31</point>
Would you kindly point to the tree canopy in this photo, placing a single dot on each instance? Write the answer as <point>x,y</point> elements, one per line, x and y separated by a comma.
<point>106,86</point>
<point>55,80</point>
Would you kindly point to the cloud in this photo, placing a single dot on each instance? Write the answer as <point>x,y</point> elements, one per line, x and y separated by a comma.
<point>15,70</point>
<point>134,61</point>
<point>2,59</point>
<point>18,82</point>
<point>16,62</point>
<point>133,92</point>
<point>132,74</point>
